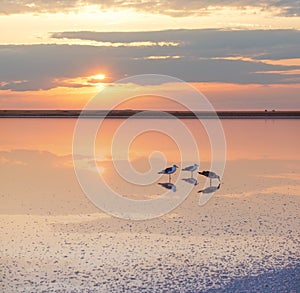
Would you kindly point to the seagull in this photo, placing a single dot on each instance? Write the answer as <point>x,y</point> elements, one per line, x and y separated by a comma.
<point>169,171</point>
<point>168,185</point>
<point>210,189</point>
<point>192,181</point>
<point>209,174</point>
<point>191,168</point>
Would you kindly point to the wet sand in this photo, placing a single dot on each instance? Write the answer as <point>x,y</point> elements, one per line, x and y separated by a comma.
<point>245,239</point>
<point>56,240</point>
<point>280,280</point>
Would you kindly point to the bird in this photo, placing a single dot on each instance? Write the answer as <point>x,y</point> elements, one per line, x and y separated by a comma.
<point>191,169</point>
<point>169,171</point>
<point>211,175</point>
<point>168,185</point>
<point>192,181</point>
<point>210,189</point>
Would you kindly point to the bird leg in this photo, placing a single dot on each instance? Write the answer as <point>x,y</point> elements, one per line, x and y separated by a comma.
<point>169,178</point>
<point>210,182</point>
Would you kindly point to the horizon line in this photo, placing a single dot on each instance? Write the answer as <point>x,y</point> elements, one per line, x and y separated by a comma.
<point>130,113</point>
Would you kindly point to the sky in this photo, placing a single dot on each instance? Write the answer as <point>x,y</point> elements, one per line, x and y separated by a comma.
<point>241,54</point>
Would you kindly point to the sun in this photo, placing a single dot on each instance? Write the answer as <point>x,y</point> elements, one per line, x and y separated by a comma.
<point>99,76</point>
<point>97,80</point>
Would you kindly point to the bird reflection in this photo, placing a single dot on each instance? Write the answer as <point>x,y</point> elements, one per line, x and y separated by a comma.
<point>191,180</point>
<point>168,185</point>
<point>210,189</point>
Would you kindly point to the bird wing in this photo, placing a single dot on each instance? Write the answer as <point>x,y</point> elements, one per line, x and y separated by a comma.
<point>168,170</point>
<point>187,168</point>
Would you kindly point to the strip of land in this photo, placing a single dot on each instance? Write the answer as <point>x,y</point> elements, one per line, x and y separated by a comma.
<point>149,114</point>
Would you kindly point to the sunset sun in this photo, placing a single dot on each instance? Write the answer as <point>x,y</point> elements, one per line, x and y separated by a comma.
<point>99,76</point>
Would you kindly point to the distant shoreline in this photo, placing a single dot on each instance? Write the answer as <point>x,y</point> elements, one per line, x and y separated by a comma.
<point>114,114</point>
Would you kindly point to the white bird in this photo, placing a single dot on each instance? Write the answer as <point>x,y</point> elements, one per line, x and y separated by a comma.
<point>209,174</point>
<point>168,185</point>
<point>169,171</point>
<point>210,189</point>
<point>191,168</point>
<point>192,181</point>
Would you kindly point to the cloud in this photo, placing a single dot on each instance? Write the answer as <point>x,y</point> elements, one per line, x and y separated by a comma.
<point>37,6</point>
<point>177,8</point>
<point>33,158</point>
<point>207,43</point>
<point>44,64</point>
<point>207,55</point>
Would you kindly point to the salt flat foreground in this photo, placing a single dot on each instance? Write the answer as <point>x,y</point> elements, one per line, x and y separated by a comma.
<point>58,241</point>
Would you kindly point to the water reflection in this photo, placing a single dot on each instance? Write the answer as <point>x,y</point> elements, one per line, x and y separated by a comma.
<point>26,133</point>
<point>168,185</point>
<point>190,180</point>
<point>38,155</point>
<point>210,189</point>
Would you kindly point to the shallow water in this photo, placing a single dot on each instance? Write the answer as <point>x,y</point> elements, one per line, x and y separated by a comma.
<point>53,237</point>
